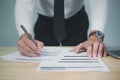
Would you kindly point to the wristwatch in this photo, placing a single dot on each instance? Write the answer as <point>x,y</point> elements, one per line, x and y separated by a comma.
<point>98,34</point>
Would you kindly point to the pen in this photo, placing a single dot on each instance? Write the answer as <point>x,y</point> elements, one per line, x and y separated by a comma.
<point>23,28</point>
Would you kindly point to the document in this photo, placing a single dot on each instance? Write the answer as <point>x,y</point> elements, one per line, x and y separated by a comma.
<point>69,61</point>
<point>47,54</point>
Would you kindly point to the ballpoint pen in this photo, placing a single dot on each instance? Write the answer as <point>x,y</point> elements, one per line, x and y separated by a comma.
<point>23,28</point>
<point>28,35</point>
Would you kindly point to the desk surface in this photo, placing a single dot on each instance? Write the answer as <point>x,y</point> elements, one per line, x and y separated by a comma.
<point>10,70</point>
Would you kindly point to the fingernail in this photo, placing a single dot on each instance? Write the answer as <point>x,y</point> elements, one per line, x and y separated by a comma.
<point>89,56</point>
<point>76,51</point>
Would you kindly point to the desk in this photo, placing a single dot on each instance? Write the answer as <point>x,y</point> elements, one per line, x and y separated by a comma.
<point>10,70</point>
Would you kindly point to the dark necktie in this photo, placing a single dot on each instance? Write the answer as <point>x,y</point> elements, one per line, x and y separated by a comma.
<point>59,21</point>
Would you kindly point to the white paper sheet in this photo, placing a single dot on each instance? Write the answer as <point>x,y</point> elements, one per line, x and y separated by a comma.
<point>69,61</point>
<point>47,54</point>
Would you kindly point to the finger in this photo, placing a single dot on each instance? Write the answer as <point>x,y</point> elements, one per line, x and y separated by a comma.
<point>31,44</point>
<point>21,51</point>
<point>100,50</point>
<point>26,51</point>
<point>79,48</point>
<point>25,47</point>
<point>40,45</point>
<point>95,49</point>
<point>105,52</point>
<point>89,51</point>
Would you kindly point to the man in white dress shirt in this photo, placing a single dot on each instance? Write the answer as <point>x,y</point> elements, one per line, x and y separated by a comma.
<point>76,22</point>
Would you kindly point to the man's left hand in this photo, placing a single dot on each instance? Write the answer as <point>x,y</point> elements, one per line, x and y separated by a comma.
<point>94,47</point>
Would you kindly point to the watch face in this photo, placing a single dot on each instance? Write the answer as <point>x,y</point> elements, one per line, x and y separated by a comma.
<point>99,34</point>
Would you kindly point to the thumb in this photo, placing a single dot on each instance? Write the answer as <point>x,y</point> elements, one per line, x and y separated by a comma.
<point>39,44</point>
<point>79,48</point>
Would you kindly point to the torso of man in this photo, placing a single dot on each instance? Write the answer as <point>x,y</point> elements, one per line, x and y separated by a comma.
<point>24,10</point>
<point>46,7</point>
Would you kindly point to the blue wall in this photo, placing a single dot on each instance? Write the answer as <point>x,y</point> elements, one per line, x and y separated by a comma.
<point>9,35</point>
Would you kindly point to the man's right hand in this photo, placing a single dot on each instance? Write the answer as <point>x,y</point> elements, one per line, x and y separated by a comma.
<point>28,48</point>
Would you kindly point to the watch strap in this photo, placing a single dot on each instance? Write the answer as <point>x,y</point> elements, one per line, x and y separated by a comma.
<point>98,34</point>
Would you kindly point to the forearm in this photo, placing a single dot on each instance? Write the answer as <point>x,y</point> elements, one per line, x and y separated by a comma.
<point>98,14</point>
<point>24,15</point>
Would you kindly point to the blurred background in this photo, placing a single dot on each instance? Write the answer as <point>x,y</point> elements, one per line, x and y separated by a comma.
<point>9,35</point>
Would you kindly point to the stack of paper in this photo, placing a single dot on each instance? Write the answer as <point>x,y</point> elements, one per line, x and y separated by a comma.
<point>47,54</point>
<point>69,61</point>
<point>60,59</point>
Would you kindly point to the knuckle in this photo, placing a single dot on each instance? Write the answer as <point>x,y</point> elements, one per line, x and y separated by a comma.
<point>81,43</point>
<point>97,42</point>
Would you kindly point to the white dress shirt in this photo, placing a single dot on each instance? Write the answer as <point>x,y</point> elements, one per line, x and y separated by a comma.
<point>24,11</point>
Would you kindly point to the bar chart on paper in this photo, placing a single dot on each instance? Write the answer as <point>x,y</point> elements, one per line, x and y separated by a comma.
<point>69,61</point>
